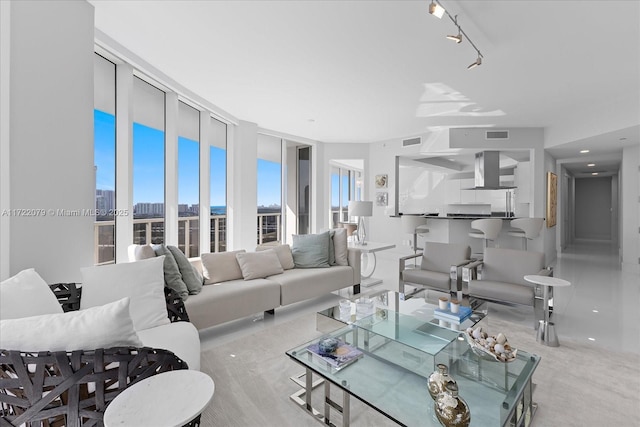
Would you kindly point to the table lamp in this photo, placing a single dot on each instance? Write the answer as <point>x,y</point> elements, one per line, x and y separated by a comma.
<point>361,209</point>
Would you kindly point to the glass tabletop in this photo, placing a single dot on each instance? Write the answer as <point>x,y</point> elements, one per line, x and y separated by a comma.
<point>391,376</point>
<point>385,303</point>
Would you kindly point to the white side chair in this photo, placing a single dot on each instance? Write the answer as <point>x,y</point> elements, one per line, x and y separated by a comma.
<point>526,228</point>
<point>486,228</point>
<point>414,225</point>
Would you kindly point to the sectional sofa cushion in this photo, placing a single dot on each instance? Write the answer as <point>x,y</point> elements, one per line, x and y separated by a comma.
<point>283,252</point>
<point>140,252</point>
<point>26,294</point>
<point>142,281</point>
<point>104,326</point>
<point>190,275</point>
<point>172,275</point>
<point>339,243</point>
<point>221,267</point>
<point>258,265</point>
<point>311,250</point>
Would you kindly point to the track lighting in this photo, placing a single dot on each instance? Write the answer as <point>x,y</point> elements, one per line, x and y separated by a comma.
<point>458,38</point>
<point>476,62</point>
<point>436,10</point>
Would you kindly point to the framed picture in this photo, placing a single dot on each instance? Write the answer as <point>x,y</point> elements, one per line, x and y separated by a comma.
<point>552,199</point>
<point>381,181</point>
<point>382,198</point>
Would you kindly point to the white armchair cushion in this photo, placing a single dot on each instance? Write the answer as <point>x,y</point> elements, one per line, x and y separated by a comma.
<point>181,338</point>
<point>26,294</point>
<point>109,325</point>
<point>142,281</point>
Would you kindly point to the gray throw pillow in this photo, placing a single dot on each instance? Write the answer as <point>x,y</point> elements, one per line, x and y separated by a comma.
<point>190,275</point>
<point>311,250</point>
<point>339,242</point>
<point>172,276</point>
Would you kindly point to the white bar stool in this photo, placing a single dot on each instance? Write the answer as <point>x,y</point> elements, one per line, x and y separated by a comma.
<point>486,228</point>
<point>414,225</point>
<point>526,228</point>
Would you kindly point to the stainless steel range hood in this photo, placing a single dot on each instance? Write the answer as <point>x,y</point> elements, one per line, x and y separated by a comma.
<point>487,171</point>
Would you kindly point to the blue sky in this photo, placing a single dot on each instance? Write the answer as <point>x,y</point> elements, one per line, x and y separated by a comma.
<point>148,166</point>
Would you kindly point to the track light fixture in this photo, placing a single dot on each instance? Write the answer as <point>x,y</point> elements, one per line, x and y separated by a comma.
<point>457,38</point>
<point>476,62</point>
<point>436,9</point>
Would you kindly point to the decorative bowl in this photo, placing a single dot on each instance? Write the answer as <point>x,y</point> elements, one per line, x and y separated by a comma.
<point>490,347</point>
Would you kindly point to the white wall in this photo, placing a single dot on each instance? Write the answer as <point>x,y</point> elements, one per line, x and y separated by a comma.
<point>5,138</point>
<point>630,212</point>
<point>51,137</point>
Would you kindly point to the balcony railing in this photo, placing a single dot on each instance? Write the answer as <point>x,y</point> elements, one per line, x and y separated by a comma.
<point>151,230</point>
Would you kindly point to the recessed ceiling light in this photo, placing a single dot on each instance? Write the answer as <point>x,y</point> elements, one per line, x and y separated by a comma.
<point>452,160</point>
<point>591,339</point>
<point>594,173</point>
<point>584,151</point>
<point>591,164</point>
<point>595,311</point>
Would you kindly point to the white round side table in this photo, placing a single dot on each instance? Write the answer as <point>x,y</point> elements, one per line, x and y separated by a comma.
<point>170,399</point>
<point>546,330</point>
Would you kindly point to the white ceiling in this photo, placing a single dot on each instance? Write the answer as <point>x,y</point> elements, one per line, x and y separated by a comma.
<point>362,71</point>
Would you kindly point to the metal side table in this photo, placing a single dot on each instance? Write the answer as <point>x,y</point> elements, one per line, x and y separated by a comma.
<point>546,330</point>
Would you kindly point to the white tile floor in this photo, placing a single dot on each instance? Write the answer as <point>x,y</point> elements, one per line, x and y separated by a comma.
<point>601,306</point>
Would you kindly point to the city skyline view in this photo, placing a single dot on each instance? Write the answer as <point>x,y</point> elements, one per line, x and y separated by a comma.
<point>148,168</point>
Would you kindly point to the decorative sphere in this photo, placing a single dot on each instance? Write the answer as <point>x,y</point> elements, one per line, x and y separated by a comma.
<point>328,345</point>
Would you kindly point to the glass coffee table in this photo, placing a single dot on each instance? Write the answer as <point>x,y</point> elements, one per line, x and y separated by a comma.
<point>387,302</point>
<point>400,351</point>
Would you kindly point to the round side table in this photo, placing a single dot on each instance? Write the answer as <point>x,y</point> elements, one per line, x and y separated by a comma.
<point>170,399</point>
<point>546,330</point>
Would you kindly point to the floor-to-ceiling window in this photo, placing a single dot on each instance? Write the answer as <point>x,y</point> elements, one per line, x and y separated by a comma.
<point>218,184</point>
<point>304,190</point>
<point>148,163</point>
<point>188,179</point>
<point>269,184</point>
<point>346,185</point>
<point>104,119</point>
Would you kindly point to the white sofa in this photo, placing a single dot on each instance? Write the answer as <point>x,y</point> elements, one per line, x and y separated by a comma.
<point>233,299</point>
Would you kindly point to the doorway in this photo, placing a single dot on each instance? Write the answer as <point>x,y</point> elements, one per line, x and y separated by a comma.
<point>594,209</point>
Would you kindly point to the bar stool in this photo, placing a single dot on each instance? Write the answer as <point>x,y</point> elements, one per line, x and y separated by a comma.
<point>414,224</point>
<point>526,228</point>
<point>486,228</point>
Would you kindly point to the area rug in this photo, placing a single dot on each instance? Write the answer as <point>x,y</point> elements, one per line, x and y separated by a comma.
<point>577,384</point>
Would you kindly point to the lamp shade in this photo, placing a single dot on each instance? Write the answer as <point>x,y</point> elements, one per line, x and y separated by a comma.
<point>360,208</point>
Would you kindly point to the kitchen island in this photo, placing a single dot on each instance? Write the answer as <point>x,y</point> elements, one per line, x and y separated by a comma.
<point>455,228</point>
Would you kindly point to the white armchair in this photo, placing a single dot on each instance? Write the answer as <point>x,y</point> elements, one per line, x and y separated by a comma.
<point>499,278</point>
<point>440,267</point>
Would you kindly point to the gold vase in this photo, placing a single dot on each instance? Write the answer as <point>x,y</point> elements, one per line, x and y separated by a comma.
<point>451,409</point>
<point>438,379</point>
